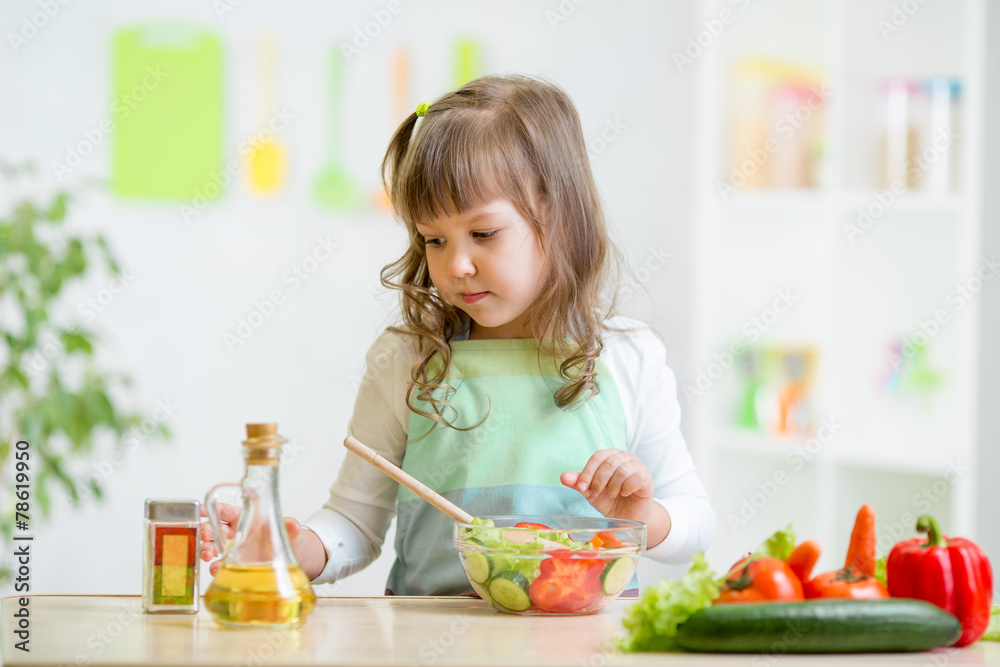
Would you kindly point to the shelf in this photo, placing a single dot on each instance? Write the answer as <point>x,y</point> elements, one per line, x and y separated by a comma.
<point>768,202</point>
<point>748,442</point>
<point>762,445</point>
<point>928,466</point>
<point>865,288</point>
<point>908,202</point>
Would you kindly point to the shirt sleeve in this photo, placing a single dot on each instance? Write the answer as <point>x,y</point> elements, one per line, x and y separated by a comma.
<point>353,521</point>
<point>653,421</point>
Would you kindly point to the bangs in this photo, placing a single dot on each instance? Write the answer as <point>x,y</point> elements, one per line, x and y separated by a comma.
<point>475,158</point>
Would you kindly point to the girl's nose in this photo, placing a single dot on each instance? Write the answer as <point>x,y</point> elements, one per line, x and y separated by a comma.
<point>460,264</point>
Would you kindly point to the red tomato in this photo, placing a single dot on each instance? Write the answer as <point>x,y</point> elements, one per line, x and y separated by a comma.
<point>845,583</point>
<point>760,580</point>
<point>739,564</point>
<point>536,526</point>
<point>566,584</point>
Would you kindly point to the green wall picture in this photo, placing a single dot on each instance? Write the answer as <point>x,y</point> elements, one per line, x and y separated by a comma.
<point>167,111</point>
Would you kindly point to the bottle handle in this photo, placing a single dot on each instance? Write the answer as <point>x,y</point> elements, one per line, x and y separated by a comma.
<point>213,516</point>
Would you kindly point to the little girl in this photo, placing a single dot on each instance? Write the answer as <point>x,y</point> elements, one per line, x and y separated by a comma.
<point>507,388</point>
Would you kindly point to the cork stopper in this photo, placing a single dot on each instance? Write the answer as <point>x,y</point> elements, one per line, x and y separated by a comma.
<point>261,430</point>
<point>263,444</point>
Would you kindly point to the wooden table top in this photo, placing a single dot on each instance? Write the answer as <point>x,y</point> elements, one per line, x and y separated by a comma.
<point>371,631</point>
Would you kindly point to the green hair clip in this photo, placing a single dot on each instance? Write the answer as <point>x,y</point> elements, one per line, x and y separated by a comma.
<point>422,108</point>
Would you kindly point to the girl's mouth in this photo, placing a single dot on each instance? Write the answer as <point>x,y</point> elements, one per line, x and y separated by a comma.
<point>473,296</point>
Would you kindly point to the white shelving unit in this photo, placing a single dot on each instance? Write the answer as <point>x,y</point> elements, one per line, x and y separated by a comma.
<point>852,294</point>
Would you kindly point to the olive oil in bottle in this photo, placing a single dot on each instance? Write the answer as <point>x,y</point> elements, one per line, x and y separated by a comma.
<point>259,584</point>
<point>260,595</point>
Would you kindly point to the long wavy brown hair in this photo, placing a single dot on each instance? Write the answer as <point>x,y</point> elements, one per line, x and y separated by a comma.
<point>515,138</point>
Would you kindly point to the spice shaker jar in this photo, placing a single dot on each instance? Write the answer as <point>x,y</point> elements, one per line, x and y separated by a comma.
<point>170,555</point>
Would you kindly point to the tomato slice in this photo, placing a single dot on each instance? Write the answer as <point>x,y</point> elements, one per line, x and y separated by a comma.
<point>566,584</point>
<point>536,526</point>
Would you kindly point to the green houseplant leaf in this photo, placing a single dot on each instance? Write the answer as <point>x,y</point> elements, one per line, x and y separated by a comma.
<point>53,392</point>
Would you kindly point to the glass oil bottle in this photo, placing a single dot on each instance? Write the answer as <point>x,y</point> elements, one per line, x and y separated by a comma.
<point>260,583</point>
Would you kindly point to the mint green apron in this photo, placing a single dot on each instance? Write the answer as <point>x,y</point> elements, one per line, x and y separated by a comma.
<point>509,464</point>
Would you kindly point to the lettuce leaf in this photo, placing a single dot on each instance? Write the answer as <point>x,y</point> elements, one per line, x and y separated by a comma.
<point>993,630</point>
<point>652,621</point>
<point>516,556</point>
<point>497,537</point>
<point>780,545</point>
<point>881,570</point>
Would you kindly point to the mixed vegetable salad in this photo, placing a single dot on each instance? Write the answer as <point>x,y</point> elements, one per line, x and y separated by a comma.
<point>531,568</point>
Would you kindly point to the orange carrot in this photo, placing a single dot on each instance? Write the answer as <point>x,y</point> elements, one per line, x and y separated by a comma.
<point>861,552</point>
<point>803,558</point>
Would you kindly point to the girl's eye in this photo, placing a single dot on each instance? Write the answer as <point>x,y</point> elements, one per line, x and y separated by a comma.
<point>434,243</point>
<point>482,236</point>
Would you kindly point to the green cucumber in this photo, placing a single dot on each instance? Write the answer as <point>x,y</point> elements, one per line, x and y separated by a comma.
<point>477,564</point>
<point>819,626</point>
<point>510,590</point>
<point>616,575</point>
<point>484,594</point>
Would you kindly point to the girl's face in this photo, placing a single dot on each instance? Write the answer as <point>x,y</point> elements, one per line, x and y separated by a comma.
<point>488,262</point>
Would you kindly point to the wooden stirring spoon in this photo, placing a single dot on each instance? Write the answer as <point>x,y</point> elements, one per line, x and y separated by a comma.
<point>393,471</point>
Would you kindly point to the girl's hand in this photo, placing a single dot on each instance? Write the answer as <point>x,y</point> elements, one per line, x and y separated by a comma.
<point>616,483</point>
<point>229,516</point>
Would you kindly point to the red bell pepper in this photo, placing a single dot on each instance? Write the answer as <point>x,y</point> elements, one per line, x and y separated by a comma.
<point>567,583</point>
<point>954,574</point>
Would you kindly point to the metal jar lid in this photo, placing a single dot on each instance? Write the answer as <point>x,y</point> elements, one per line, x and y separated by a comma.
<point>172,509</point>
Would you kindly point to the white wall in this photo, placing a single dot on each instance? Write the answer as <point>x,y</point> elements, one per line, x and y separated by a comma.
<point>190,282</point>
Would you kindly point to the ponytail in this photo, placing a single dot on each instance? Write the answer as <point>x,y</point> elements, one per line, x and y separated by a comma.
<point>396,151</point>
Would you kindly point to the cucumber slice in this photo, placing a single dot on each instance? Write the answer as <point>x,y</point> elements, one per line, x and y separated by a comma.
<point>477,564</point>
<point>484,594</point>
<point>510,590</point>
<point>616,575</point>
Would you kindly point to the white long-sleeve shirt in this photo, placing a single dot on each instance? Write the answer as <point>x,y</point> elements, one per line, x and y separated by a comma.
<point>353,522</point>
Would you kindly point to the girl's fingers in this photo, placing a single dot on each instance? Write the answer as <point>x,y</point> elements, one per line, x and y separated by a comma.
<point>593,464</point>
<point>632,484</point>
<point>630,476</point>
<point>208,551</point>
<point>228,513</point>
<point>569,478</point>
<point>607,471</point>
<point>614,486</point>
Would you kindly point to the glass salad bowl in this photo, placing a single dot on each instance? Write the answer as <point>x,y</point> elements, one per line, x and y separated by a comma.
<point>549,564</point>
